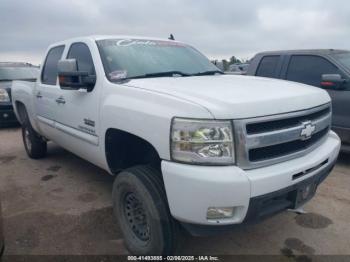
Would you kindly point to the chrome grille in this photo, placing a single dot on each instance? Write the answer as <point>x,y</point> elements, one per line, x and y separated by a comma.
<point>272,139</point>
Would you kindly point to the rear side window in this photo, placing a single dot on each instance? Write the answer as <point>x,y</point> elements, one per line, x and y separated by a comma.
<point>308,69</point>
<point>268,66</point>
<point>49,74</point>
<point>81,53</point>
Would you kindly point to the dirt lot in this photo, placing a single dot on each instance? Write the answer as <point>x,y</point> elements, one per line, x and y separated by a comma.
<point>62,205</point>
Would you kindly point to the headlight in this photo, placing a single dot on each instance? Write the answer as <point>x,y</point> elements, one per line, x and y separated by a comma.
<point>4,96</point>
<point>202,141</point>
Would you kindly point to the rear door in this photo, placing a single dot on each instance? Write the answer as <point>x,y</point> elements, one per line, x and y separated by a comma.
<point>308,69</point>
<point>47,91</point>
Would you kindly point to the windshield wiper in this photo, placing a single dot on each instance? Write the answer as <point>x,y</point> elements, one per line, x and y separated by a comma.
<point>159,74</point>
<point>210,72</point>
<point>171,74</point>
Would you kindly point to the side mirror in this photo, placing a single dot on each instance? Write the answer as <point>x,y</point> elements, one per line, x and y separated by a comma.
<point>333,81</point>
<point>70,78</point>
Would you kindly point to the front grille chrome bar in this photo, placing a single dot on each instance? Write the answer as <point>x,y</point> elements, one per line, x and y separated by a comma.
<point>284,135</point>
<point>246,142</point>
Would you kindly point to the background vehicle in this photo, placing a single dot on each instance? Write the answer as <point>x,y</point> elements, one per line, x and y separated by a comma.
<point>190,146</point>
<point>328,69</point>
<point>10,71</point>
<point>238,69</point>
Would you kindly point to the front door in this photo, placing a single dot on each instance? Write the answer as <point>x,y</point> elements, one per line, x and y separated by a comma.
<point>308,69</point>
<point>341,112</point>
<point>77,117</point>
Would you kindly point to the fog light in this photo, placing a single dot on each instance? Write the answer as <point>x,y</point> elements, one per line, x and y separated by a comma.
<point>220,212</point>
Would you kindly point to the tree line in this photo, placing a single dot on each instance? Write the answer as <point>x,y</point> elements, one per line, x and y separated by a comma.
<point>224,64</point>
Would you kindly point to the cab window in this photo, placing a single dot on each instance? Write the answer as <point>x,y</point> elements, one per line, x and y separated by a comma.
<point>268,66</point>
<point>81,53</point>
<point>49,74</point>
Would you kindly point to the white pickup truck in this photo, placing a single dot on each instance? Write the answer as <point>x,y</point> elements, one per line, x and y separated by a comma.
<point>191,148</point>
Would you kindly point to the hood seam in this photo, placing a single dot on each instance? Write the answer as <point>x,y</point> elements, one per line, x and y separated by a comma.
<point>170,95</point>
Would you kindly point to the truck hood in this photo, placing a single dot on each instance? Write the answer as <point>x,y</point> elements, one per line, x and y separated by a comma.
<point>232,97</point>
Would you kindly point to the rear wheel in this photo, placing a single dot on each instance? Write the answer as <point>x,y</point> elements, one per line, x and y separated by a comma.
<point>34,144</point>
<point>140,205</point>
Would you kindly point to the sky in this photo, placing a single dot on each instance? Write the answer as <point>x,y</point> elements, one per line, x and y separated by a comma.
<point>219,29</point>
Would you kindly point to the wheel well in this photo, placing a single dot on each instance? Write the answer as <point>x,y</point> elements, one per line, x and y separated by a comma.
<point>124,150</point>
<point>21,110</point>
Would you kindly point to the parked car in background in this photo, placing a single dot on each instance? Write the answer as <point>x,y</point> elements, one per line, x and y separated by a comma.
<point>238,69</point>
<point>190,146</point>
<point>10,71</point>
<point>325,68</point>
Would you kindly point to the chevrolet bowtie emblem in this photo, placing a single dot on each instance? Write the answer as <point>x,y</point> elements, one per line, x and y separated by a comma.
<point>307,130</point>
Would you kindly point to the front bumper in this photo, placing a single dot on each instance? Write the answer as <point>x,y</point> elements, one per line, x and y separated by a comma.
<point>7,115</point>
<point>192,189</point>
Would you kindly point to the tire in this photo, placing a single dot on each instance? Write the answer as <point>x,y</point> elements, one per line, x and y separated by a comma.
<point>152,231</point>
<point>34,144</point>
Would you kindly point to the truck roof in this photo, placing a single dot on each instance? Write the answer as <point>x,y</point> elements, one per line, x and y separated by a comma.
<point>305,51</point>
<point>103,37</point>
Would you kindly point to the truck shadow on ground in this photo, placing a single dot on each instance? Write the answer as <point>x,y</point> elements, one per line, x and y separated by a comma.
<point>92,232</point>
<point>57,205</point>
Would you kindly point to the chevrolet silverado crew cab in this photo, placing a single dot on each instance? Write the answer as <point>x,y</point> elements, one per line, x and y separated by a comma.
<point>325,68</point>
<point>191,148</point>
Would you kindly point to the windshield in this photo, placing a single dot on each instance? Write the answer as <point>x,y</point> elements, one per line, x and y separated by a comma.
<point>126,58</point>
<point>17,73</point>
<point>343,58</point>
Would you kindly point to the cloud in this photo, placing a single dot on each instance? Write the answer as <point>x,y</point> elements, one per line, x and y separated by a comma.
<point>217,28</point>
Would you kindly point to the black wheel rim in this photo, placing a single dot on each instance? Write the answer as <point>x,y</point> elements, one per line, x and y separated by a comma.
<point>136,217</point>
<point>27,140</point>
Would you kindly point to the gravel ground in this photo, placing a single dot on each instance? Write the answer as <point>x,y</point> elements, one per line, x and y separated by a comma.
<point>61,205</point>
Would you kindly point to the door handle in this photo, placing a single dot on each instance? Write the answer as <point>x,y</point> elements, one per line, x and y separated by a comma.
<point>60,100</point>
<point>38,95</point>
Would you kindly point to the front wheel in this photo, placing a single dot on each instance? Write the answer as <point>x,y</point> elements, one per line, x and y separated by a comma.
<point>140,205</point>
<point>34,144</point>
